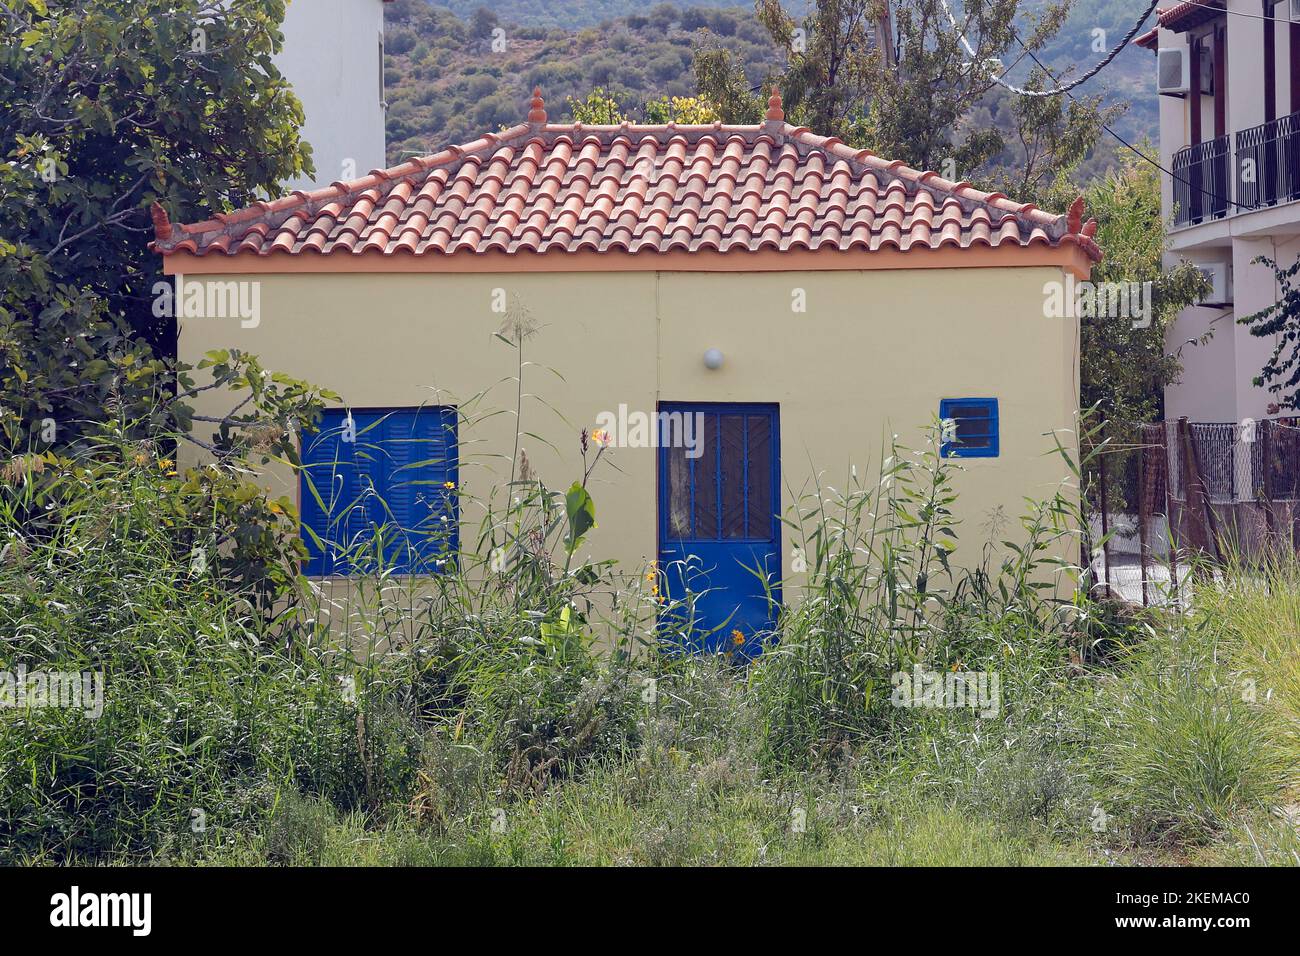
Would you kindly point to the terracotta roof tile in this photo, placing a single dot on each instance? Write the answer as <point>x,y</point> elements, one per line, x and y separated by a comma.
<point>551,188</point>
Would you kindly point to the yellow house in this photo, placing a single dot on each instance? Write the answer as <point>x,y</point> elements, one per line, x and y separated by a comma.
<point>741,311</point>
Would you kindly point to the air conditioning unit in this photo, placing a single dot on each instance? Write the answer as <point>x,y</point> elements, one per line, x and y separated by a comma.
<point>1173,71</point>
<point>1219,275</point>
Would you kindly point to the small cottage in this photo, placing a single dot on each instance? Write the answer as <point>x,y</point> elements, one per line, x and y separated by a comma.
<point>736,309</point>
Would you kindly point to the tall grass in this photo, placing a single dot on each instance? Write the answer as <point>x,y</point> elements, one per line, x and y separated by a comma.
<point>883,595</point>
<point>1186,752</point>
<point>515,708</point>
<point>206,714</point>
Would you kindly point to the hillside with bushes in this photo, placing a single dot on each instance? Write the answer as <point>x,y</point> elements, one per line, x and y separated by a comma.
<point>568,15</point>
<point>446,84</point>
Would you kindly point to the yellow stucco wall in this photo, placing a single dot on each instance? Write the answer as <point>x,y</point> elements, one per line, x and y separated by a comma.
<point>874,350</point>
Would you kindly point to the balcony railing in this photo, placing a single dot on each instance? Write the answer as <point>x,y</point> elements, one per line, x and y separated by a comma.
<point>1265,163</point>
<point>1268,162</point>
<point>1201,183</point>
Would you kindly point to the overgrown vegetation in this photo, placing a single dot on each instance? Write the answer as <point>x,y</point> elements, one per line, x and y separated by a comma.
<point>521,712</point>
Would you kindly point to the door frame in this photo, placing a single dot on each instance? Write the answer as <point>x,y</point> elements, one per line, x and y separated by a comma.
<point>773,409</point>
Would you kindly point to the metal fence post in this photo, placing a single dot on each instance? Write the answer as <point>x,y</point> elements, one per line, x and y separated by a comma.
<point>1144,512</point>
<point>1105,521</point>
<point>1169,512</point>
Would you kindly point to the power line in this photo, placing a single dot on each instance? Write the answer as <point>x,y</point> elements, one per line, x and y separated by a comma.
<point>1067,91</point>
<point>1105,61</point>
<point>1137,152</point>
<point>1237,13</point>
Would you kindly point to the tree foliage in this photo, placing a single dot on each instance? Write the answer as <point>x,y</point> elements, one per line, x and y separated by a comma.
<point>1281,321</point>
<point>1124,364</point>
<point>110,106</point>
<point>919,95</point>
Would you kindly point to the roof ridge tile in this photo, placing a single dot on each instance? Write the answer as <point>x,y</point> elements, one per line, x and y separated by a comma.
<point>564,187</point>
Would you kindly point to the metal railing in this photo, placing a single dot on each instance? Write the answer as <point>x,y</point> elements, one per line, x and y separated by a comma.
<point>1265,161</point>
<point>1201,184</point>
<point>1268,162</point>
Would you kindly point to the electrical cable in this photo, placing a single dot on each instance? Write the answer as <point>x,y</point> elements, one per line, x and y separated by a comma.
<point>1133,149</point>
<point>1097,68</point>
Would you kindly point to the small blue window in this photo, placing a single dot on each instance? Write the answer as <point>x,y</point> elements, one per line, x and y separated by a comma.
<point>379,491</point>
<point>970,427</point>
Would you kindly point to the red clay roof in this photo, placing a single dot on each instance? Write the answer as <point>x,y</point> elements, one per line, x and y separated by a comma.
<point>1179,18</point>
<point>1191,13</point>
<point>543,187</point>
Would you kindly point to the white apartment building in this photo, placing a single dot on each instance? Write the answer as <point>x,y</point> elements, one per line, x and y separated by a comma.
<point>334,58</point>
<point>1229,80</point>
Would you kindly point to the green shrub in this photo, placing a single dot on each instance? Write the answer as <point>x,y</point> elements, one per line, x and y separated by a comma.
<point>1183,752</point>
<point>205,709</point>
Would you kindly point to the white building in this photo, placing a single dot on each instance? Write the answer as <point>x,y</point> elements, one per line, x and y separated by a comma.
<point>1229,76</point>
<point>334,57</point>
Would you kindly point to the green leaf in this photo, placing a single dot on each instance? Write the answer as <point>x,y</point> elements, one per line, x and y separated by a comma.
<point>581,511</point>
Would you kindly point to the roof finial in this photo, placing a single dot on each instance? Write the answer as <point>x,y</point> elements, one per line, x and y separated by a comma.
<point>538,112</point>
<point>162,226</point>
<point>774,111</point>
<point>1074,217</point>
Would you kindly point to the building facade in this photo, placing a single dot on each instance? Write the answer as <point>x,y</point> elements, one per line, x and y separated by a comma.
<point>333,56</point>
<point>1229,81</point>
<point>776,303</point>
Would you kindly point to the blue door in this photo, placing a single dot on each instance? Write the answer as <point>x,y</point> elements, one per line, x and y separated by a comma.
<point>719,525</point>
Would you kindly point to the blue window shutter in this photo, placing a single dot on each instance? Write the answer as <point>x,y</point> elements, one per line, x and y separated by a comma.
<point>392,478</point>
<point>397,507</point>
<point>366,512</point>
<point>328,474</point>
<point>976,427</point>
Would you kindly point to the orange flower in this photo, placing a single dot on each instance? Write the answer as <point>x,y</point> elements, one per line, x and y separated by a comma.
<point>737,637</point>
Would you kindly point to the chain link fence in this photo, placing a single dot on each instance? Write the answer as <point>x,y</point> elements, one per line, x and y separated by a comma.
<point>1166,494</point>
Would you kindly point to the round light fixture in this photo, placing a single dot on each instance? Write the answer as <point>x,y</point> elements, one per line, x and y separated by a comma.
<point>713,358</point>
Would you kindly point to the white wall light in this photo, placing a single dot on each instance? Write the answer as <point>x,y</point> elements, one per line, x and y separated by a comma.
<point>713,358</point>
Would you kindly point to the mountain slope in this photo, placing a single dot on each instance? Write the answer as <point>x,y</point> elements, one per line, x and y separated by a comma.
<point>447,80</point>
